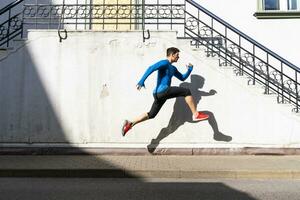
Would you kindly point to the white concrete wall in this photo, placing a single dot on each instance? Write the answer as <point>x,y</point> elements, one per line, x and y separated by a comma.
<point>279,35</point>
<point>80,91</point>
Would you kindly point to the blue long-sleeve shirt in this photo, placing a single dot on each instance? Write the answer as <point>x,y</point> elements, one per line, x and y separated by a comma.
<point>165,73</point>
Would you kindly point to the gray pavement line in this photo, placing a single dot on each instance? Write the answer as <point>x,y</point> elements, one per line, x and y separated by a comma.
<point>117,173</point>
<point>103,173</point>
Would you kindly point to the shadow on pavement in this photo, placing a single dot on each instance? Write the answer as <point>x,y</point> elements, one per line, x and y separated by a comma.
<point>110,189</point>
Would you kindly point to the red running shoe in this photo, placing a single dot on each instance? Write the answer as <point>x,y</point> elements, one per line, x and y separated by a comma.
<point>126,127</point>
<point>200,116</point>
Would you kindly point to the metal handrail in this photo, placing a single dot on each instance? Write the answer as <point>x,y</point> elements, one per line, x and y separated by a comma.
<point>10,6</point>
<point>7,25</point>
<point>244,35</point>
<point>281,78</point>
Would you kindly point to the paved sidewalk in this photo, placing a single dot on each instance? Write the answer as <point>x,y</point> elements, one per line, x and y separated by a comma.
<point>234,167</point>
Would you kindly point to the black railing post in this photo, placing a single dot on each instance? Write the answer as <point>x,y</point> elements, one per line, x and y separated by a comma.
<point>198,25</point>
<point>184,31</point>
<point>49,24</point>
<point>143,23</point>
<point>268,76</point>
<point>23,10</point>
<point>211,40</point>
<point>240,54</point>
<point>143,19</point>
<point>90,16</point>
<point>22,24</point>
<point>143,14</point>
<point>171,12</point>
<point>282,84</point>
<point>157,16</point>
<point>37,8</point>
<point>76,14</point>
<point>297,92</point>
<point>253,65</point>
<point>117,15</point>
<point>61,21</point>
<point>103,22</point>
<point>8,27</point>
<point>226,48</point>
<point>130,12</point>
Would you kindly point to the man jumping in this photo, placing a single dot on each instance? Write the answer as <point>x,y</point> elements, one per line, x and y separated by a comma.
<point>164,91</point>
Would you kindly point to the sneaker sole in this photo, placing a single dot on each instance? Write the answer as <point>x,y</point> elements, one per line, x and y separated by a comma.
<point>198,120</point>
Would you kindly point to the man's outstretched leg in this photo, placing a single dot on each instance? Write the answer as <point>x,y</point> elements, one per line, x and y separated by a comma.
<point>160,99</point>
<point>128,125</point>
<point>156,106</point>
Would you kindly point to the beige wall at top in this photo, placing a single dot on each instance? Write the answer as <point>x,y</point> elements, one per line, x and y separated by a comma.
<point>111,1</point>
<point>112,27</point>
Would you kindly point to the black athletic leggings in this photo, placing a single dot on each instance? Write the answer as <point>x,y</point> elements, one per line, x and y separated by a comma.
<point>161,98</point>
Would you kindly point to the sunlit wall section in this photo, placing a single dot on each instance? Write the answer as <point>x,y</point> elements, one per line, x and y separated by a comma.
<point>114,14</point>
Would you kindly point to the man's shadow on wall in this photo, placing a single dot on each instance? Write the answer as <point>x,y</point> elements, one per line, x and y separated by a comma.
<point>182,113</point>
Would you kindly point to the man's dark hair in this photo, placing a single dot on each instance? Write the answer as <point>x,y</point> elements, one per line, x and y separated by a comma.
<point>172,50</point>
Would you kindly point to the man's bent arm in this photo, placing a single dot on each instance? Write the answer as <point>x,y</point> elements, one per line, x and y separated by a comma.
<point>150,70</point>
<point>183,77</point>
